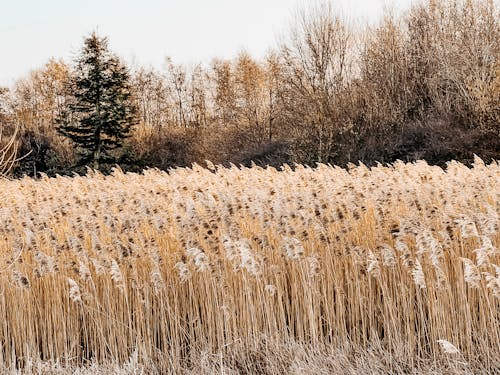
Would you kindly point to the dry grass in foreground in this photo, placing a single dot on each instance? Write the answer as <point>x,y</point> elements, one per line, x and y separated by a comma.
<point>227,270</point>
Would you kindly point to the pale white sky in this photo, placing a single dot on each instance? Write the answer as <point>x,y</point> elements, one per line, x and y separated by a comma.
<point>146,31</point>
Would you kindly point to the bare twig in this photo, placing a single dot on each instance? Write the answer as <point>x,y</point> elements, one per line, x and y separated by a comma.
<point>8,153</point>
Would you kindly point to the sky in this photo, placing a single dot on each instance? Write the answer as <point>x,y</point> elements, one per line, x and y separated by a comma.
<point>145,32</point>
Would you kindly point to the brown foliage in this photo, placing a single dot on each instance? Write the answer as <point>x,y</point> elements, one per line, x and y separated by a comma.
<point>424,84</point>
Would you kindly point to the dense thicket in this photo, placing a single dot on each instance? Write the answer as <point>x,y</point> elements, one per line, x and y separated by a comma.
<point>421,85</point>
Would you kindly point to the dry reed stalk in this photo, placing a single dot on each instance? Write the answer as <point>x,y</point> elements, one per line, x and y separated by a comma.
<point>172,265</point>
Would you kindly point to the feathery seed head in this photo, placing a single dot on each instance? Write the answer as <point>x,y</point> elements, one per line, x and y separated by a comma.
<point>448,347</point>
<point>74,291</point>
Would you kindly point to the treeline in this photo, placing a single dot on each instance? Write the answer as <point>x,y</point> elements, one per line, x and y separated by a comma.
<point>422,85</point>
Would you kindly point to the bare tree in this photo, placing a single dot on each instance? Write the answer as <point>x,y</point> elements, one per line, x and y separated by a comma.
<point>198,97</point>
<point>178,84</point>
<point>39,98</point>
<point>151,96</point>
<point>273,72</point>
<point>317,62</point>
<point>224,95</point>
<point>454,52</point>
<point>385,85</point>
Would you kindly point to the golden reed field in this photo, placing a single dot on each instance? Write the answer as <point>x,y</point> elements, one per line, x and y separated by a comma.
<point>392,269</point>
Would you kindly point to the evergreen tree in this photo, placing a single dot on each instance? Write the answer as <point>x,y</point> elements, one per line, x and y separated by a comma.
<point>99,113</point>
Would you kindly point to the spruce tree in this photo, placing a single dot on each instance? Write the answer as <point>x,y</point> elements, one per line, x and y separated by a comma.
<point>99,113</point>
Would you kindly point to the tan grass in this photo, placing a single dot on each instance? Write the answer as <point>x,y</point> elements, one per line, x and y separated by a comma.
<point>253,270</point>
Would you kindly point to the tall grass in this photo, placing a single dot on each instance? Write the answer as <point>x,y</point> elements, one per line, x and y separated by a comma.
<point>234,270</point>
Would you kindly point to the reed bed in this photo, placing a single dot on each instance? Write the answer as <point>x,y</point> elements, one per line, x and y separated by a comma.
<point>391,269</point>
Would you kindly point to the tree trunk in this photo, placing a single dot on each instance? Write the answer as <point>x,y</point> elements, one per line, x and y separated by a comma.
<point>97,151</point>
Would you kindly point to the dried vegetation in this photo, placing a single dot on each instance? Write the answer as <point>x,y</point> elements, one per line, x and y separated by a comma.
<point>388,269</point>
